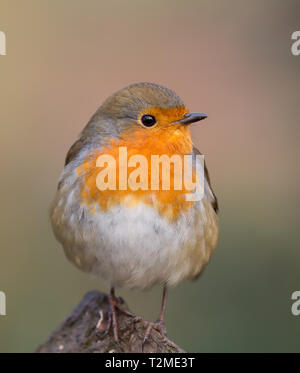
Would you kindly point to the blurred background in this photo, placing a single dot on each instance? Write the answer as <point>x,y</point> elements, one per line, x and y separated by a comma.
<point>229,59</point>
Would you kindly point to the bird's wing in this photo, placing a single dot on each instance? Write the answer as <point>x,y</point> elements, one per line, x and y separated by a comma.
<point>211,193</point>
<point>74,150</point>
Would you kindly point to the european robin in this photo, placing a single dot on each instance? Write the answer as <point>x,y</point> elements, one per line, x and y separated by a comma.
<point>135,237</point>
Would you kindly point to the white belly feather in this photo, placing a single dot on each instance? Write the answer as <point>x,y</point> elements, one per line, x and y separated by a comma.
<point>133,247</point>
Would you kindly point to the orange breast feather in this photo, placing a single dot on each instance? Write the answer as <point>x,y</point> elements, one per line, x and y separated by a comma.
<point>163,140</point>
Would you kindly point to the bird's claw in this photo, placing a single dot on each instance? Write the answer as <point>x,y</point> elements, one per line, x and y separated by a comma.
<point>160,327</point>
<point>112,323</point>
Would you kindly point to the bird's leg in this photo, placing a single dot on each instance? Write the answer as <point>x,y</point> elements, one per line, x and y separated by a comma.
<point>163,307</point>
<point>118,302</point>
<point>114,305</point>
<point>112,317</point>
<point>159,324</point>
<point>113,314</point>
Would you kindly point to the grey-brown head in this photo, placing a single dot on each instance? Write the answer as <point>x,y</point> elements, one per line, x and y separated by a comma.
<point>139,105</point>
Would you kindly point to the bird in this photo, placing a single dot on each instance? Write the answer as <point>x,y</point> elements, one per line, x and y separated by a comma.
<point>135,238</point>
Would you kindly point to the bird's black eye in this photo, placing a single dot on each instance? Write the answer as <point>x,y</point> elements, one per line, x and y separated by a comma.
<point>148,120</point>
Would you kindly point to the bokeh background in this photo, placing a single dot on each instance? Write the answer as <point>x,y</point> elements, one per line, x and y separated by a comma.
<point>231,59</point>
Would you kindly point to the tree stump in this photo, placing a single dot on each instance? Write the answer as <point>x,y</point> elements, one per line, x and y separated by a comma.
<point>83,331</point>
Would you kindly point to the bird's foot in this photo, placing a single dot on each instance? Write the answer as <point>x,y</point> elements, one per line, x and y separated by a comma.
<point>160,327</point>
<point>115,304</point>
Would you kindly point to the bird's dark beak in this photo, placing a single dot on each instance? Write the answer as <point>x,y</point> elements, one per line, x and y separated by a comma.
<point>191,118</point>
